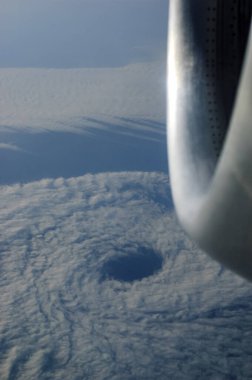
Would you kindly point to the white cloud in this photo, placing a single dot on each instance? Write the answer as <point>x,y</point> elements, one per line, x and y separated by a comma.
<point>9,147</point>
<point>60,99</point>
<point>60,320</point>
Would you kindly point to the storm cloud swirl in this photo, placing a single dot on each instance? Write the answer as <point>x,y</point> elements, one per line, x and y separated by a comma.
<point>70,309</point>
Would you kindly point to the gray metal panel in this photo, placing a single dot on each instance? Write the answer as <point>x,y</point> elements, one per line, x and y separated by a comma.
<point>210,126</point>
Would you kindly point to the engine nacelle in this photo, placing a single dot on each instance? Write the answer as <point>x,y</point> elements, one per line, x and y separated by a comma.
<point>210,125</point>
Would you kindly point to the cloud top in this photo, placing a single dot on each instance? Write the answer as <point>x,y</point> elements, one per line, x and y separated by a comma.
<point>58,99</point>
<point>59,320</point>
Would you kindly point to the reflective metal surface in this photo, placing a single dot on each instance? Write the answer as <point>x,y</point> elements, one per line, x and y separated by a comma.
<point>210,125</point>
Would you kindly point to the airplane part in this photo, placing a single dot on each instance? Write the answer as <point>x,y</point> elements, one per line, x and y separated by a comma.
<point>210,125</point>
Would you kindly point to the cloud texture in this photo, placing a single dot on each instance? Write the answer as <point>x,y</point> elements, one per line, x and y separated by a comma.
<point>61,319</point>
<point>59,99</point>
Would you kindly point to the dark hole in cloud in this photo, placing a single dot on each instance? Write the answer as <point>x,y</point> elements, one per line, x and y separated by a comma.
<point>132,266</point>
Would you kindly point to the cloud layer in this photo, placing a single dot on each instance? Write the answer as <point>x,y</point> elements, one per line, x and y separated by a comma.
<point>67,122</point>
<point>58,99</point>
<point>61,319</point>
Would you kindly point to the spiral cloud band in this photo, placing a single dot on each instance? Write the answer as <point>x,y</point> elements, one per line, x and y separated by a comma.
<point>67,311</point>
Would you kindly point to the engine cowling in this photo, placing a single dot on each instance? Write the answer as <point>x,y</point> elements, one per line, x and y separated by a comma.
<point>210,125</point>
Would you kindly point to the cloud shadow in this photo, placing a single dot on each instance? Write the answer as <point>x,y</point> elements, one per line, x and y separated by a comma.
<point>126,145</point>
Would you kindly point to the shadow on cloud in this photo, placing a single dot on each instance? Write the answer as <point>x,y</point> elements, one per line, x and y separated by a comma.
<point>124,145</point>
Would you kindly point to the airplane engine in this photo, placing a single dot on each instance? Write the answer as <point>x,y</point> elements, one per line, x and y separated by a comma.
<point>210,125</point>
